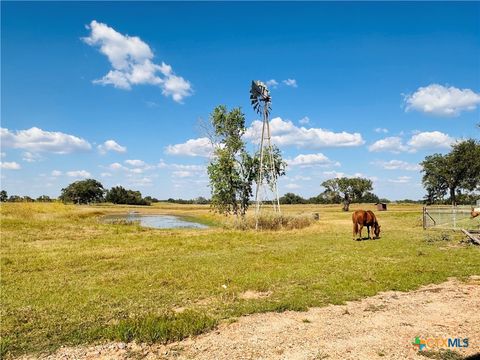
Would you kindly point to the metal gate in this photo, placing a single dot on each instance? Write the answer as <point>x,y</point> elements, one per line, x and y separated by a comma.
<point>449,217</point>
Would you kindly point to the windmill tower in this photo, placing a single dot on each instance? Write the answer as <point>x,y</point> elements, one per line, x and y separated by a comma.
<point>267,189</point>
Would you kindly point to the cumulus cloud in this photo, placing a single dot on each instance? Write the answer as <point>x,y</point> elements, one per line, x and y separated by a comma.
<point>420,140</point>
<point>111,145</point>
<point>31,157</point>
<point>305,120</point>
<point>193,147</point>
<point>430,139</point>
<point>306,160</point>
<point>10,165</point>
<point>392,144</point>
<point>290,82</point>
<point>440,100</point>
<point>116,166</point>
<point>272,83</point>
<point>399,165</point>
<point>381,130</point>
<point>79,174</point>
<point>132,63</point>
<point>38,140</point>
<point>56,173</point>
<point>285,133</point>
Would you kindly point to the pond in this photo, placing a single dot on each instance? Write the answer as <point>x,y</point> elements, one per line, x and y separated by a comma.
<point>153,221</point>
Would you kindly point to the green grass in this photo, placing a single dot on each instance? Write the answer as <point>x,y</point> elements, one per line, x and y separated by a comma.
<point>67,278</point>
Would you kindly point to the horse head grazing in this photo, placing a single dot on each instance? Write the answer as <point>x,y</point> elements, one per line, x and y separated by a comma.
<point>376,230</point>
<point>475,212</point>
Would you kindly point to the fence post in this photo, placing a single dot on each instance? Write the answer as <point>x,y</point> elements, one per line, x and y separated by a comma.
<point>423,219</point>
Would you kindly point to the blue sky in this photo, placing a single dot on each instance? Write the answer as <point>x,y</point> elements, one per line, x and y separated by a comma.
<point>115,91</point>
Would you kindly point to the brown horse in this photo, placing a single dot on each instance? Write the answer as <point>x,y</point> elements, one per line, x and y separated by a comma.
<point>475,212</point>
<point>363,218</point>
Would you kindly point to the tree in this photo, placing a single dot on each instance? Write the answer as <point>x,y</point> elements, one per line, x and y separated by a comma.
<point>3,196</point>
<point>83,192</point>
<point>458,170</point>
<point>120,195</point>
<point>291,198</point>
<point>348,189</point>
<point>232,169</point>
<point>44,198</point>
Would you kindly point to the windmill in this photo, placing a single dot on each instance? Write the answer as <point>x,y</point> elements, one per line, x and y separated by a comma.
<point>261,102</point>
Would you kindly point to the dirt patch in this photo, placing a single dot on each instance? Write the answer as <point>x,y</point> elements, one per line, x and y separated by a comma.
<point>379,327</point>
<point>251,295</point>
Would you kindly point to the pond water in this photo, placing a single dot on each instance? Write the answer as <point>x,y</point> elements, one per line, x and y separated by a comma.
<point>154,221</point>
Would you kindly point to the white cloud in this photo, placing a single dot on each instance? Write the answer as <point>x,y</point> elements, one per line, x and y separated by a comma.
<point>400,180</point>
<point>381,130</point>
<point>136,163</point>
<point>31,157</point>
<point>290,82</point>
<point>105,174</point>
<point>111,145</point>
<point>116,166</point>
<point>132,62</point>
<point>2,155</point>
<point>272,83</point>
<point>305,160</point>
<point>38,140</point>
<point>392,144</point>
<point>79,174</point>
<point>421,140</point>
<point>335,174</point>
<point>285,133</point>
<point>439,100</point>
<point>305,120</point>
<point>398,165</point>
<point>193,147</point>
<point>56,173</point>
<point>430,139</point>
<point>10,165</point>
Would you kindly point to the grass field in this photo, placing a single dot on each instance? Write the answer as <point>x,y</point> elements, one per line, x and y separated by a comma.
<point>67,278</point>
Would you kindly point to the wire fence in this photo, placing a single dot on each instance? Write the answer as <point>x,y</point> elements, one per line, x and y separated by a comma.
<point>449,217</point>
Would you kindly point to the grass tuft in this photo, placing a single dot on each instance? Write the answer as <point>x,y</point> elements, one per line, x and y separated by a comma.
<point>161,329</point>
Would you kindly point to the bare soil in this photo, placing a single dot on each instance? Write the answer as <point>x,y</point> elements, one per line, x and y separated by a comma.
<point>379,327</point>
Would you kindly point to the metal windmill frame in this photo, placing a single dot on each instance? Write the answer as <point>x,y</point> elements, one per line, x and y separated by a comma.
<point>261,101</point>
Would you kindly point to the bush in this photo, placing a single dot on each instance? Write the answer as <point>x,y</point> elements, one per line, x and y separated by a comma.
<point>275,222</point>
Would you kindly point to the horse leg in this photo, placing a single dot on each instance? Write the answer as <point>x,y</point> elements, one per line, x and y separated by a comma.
<point>360,231</point>
<point>355,230</point>
<point>368,231</point>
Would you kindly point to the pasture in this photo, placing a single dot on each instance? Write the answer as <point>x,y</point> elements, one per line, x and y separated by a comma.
<point>67,278</point>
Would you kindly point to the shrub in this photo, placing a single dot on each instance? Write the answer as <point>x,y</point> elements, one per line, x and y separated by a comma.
<point>275,222</point>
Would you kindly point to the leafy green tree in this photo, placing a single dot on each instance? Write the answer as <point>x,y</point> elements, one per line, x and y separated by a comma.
<point>232,169</point>
<point>347,189</point>
<point>3,196</point>
<point>120,195</point>
<point>450,173</point>
<point>83,192</point>
<point>291,198</point>
<point>44,198</point>
<point>15,198</point>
